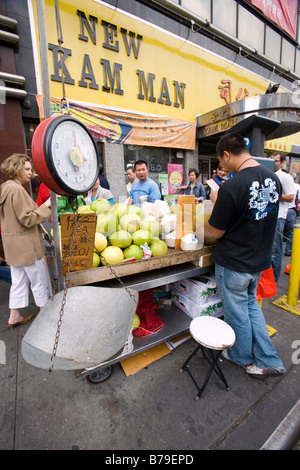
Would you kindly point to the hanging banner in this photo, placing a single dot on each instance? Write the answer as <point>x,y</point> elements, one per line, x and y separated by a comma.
<point>175,177</point>
<point>283,13</point>
<point>130,129</point>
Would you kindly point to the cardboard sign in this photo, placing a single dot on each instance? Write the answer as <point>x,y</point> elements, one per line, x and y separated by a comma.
<point>83,250</point>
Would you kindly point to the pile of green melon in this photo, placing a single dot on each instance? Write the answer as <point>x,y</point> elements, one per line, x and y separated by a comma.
<point>121,230</point>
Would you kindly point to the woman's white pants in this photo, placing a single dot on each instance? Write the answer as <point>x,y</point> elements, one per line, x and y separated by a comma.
<point>34,276</point>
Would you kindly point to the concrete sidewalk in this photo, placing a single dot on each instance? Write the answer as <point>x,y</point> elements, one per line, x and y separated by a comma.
<point>152,410</point>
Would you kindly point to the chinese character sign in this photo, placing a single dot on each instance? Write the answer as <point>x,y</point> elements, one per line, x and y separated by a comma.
<point>282,12</point>
<point>226,92</point>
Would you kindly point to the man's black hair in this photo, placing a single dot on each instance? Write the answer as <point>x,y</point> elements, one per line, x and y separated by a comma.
<point>233,143</point>
<point>140,162</point>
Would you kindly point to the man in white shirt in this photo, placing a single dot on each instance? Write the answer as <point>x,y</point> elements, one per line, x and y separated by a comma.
<point>288,193</point>
<point>291,218</point>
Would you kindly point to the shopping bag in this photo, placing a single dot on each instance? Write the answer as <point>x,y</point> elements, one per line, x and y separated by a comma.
<point>266,286</point>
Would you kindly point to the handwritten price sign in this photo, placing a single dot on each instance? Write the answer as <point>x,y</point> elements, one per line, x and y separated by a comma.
<point>83,250</point>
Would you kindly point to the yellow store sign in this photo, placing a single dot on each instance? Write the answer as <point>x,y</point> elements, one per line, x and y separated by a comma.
<point>115,60</point>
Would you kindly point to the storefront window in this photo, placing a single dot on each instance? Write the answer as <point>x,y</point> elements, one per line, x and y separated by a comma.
<point>157,159</point>
<point>204,169</point>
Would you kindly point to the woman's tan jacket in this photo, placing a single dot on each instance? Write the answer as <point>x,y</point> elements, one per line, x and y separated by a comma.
<point>20,218</point>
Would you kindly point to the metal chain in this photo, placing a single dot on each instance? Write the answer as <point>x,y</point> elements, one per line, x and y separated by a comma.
<point>70,250</point>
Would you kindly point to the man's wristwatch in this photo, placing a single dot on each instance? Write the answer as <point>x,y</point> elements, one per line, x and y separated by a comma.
<point>3,262</point>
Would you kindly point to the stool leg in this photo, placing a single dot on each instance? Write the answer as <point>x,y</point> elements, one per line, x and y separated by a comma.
<point>212,359</point>
<point>216,366</point>
<point>189,358</point>
<point>213,366</point>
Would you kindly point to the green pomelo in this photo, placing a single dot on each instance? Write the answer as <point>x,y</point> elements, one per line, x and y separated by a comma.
<point>153,227</point>
<point>112,255</point>
<point>96,260</point>
<point>159,248</point>
<point>130,222</point>
<point>100,206</point>
<point>119,209</point>
<point>133,251</point>
<point>141,236</point>
<point>121,238</point>
<point>135,210</point>
<point>106,223</point>
<point>100,241</point>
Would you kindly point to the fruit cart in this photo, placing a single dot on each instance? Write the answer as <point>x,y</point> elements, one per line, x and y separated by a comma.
<point>71,333</point>
<point>66,159</point>
<point>136,276</point>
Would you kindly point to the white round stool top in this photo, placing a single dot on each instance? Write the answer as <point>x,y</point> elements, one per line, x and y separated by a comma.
<point>212,332</point>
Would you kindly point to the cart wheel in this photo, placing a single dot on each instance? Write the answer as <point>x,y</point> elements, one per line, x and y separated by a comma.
<point>100,375</point>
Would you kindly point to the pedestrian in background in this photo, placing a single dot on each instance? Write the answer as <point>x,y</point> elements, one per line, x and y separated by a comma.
<point>22,238</point>
<point>4,271</point>
<point>194,186</point>
<point>103,181</point>
<point>291,218</point>
<point>288,193</point>
<point>97,192</point>
<point>130,173</point>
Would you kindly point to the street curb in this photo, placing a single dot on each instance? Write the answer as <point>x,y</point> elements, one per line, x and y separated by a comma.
<point>287,434</point>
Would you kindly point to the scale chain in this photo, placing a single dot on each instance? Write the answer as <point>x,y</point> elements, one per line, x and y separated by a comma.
<point>70,250</point>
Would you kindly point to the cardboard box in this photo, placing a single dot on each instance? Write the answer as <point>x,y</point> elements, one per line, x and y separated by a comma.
<point>199,291</point>
<point>194,310</point>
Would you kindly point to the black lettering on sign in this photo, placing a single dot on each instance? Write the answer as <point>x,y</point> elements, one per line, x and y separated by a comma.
<point>90,28</point>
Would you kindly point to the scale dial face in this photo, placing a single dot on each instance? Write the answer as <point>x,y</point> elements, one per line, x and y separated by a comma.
<point>73,156</point>
<point>65,155</point>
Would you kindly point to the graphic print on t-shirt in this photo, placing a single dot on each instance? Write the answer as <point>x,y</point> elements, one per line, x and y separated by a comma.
<point>263,198</point>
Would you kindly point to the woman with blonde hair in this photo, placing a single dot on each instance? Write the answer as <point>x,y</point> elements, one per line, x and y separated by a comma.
<point>22,238</point>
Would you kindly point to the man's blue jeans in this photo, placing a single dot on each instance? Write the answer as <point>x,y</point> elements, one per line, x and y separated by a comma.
<point>243,313</point>
<point>290,221</point>
<point>277,248</point>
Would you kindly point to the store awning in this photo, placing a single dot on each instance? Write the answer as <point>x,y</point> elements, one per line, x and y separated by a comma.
<point>277,107</point>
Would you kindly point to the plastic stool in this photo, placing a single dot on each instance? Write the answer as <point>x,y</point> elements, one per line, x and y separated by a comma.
<point>212,334</point>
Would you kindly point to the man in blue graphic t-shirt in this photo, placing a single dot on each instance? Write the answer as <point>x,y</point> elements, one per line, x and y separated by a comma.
<point>143,186</point>
<point>243,222</point>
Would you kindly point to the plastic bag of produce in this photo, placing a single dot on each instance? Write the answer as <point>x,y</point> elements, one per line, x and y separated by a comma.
<point>160,208</point>
<point>150,322</point>
<point>168,223</point>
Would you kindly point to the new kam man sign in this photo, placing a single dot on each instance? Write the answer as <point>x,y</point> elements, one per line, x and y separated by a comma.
<point>104,61</point>
<point>113,60</point>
